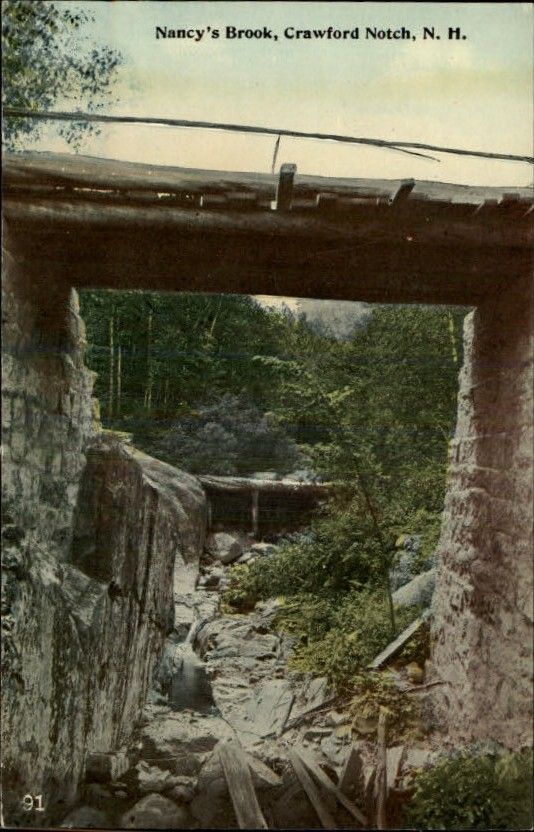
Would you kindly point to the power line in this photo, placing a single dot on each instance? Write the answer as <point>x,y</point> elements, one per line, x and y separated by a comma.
<point>411,148</point>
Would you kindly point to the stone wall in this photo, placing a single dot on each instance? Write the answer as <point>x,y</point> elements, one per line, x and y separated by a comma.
<point>92,532</point>
<point>483,631</point>
<point>47,404</point>
<point>81,638</point>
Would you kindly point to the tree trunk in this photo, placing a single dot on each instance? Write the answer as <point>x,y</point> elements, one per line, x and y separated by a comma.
<point>452,332</point>
<point>119,379</point>
<point>149,379</point>
<point>111,364</point>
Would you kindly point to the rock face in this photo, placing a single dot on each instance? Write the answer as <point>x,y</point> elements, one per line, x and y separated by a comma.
<point>47,405</point>
<point>83,637</point>
<point>483,600</point>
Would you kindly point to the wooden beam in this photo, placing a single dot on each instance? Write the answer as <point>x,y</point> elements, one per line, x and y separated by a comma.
<point>325,781</point>
<point>309,787</point>
<point>392,649</point>
<point>238,777</point>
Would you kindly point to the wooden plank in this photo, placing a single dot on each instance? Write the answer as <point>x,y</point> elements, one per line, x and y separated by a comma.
<point>239,779</point>
<point>325,781</point>
<point>392,649</point>
<point>381,774</point>
<point>262,774</point>
<point>309,787</point>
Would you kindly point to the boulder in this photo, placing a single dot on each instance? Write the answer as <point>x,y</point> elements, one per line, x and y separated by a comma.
<point>180,743</point>
<point>225,547</point>
<point>314,693</point>
<point>156,812</point>
<point>182,793</point>
<point>154,779</point>
<point>417,591</point>
<point>86,817</point>
<point>263,550</point>
<point>334,749</point>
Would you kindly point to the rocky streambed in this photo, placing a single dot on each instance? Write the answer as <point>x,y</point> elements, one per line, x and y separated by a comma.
<point>225,679</point>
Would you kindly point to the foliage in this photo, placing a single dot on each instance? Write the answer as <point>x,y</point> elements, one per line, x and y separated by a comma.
<point>474,791</point>
<point>340,554</point>
<point>417,648</point>
<point>339,636</point>
<point>372,691</point>
<point>230,437</point>
<point>46,59</point>
<point>220,384</point>
<point>334,634</point>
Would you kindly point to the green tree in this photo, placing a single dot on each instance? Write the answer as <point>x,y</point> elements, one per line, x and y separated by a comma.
<point>46,60</point>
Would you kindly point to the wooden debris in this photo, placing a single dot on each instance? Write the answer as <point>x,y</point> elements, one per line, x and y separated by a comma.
<point>239,780</point>
<point>262,775</point>
<point>313,794</point>
<point>381,772</point>
<point>392,649</point>
<point>325,781</point>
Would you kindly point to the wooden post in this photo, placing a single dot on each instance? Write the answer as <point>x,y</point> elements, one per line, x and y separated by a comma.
<point>239,780</point>
<point>284,191</point>
<point>255,512</point>
<point>381,774</point>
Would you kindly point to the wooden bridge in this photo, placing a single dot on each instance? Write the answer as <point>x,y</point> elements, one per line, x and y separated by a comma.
<point>104,223</point>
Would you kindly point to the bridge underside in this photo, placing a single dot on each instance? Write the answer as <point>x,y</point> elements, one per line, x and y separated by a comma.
<point>77,222</point>
<point>89,222</point>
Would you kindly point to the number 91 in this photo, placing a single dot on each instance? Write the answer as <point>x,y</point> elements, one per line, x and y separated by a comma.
<point>33,802</point>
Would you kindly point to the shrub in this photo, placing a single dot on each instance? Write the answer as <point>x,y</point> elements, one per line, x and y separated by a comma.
<point>375,690</point>
<point>474,791</point>
<point>230,437</point>
<point>338,637</point>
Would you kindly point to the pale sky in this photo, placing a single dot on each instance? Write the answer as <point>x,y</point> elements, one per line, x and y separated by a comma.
<point>475,93</point>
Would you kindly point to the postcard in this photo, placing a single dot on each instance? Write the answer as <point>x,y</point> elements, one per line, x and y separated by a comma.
<point>267,415</point>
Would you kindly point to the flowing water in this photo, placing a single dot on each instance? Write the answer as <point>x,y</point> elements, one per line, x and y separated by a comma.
<point>190,686</point>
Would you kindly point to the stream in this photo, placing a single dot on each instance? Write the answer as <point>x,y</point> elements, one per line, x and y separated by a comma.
<point>226,678</point>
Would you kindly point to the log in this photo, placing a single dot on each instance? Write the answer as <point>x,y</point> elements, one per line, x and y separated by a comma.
<point>325,781</point>
<point>309,787</point>
<point>239,780</point>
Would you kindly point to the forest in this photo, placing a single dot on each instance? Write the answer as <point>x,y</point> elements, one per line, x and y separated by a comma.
<point>220,384</point>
